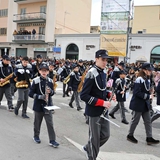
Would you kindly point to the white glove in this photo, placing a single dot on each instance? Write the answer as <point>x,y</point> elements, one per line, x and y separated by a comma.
<point>27,71</point>
<point>21,71</point>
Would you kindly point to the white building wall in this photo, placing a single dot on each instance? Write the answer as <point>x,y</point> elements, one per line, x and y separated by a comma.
<point>147,43</point>
<point>81,42</point>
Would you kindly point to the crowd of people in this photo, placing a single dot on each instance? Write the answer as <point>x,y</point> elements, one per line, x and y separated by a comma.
<point>96,83</point>
<point>24,32</point>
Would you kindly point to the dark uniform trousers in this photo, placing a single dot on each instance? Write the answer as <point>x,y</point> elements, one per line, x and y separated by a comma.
<point>98,135</point>
<point>135,120</point>
<point>120,105</point>
<point>7,92</point>
<point>49,122</point>
<point>75,96</point>
<point>22,99</point>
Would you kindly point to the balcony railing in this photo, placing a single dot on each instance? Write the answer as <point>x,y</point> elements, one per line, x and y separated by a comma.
<point>37,38</point>
<point>19,0</point>
<point>29,17</point>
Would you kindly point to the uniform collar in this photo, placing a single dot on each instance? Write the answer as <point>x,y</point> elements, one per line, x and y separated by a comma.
<point>98,68</point>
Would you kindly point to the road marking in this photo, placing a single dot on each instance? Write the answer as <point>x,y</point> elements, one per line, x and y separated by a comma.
<point>117,156</point>
<point>59,89</point>
<point>4,103</point>
<point>64,104</point>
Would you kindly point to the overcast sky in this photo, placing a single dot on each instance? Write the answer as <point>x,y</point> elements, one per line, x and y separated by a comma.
<point>96,9</point>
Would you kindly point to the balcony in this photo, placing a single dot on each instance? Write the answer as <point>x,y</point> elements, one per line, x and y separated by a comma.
<point>29,39</point>
<point>29,17</point>
<point>19,0</point>
<point>28,1</point>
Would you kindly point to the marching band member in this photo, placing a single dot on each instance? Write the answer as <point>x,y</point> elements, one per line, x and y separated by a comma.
<point>73,86</point>
<point>42,90</point>
<point>120,96</point>
<point>23,73</point>
<point>66,71</point>
<point>140,105</point>
<point>35,66</point>
<point>94,94</point>
<point>81,67</point>
<point>5,71</point>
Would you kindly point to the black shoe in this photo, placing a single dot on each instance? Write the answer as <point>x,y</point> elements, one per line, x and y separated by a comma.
<point>150,141</point>
<point>112,116</point>
<point>36,139</point>
<point>53,144</point>
<point>63,95</point>
<point>16,111</point>
<point>125,121</point>
<point>70,104</point>
<point>79,108</point>
<point>84,149</point>
<point>131,139</point>
<point>24,116</point>
<point>11,109</point>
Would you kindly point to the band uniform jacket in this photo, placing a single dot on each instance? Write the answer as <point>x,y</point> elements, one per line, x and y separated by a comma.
<point>140,101</point>
<point>120,83</point>
<point>94,88</point>
<point>23,73</point>
<point>158,93</point>
<point>65,72</point>
<point>35,68</point>
<point>5,70</point>
<point>74,81</point>
<point>115,75</point>
<point>38,87</point>
<point>81,69</point>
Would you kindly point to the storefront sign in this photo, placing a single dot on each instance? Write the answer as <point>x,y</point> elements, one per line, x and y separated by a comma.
<point>40,49</point>
<point>114,44</point>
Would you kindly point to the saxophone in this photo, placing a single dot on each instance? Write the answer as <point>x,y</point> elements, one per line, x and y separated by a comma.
<point>80,86</point>
<point>54,82</point>
<point>67,79</point>
<point>22,84</point>
<point>6,80</point>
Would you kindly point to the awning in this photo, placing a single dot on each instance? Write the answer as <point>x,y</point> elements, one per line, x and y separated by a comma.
<point>141,59</point>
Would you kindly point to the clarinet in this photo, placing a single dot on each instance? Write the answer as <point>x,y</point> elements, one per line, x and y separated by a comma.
<point>103,115</point>
<point>46,94</point>
<point>110,99</point>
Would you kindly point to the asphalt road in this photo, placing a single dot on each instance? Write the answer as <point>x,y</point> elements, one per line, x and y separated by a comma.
<point>16,135</point>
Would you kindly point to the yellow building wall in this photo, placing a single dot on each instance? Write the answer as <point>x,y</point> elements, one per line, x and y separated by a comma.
<point>3,20</point>
<point>73,16</point>
<point>31,7</point>
<point>146,17</point>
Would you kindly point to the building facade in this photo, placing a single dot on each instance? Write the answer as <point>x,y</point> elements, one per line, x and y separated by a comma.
<point>144,47</point>
<point>146,19</point>
<point>27,27</point>
<point>76,46</point>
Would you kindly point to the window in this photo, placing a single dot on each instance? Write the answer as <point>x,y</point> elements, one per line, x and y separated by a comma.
<point>43,9</point>
<point>23,10</point>
<point>22,29</point>
<point>42,30</point>
<point>4,13</point>
<point>3,31</point>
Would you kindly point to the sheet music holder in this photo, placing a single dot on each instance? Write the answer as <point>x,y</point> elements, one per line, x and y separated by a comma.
<point>52,107</point>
